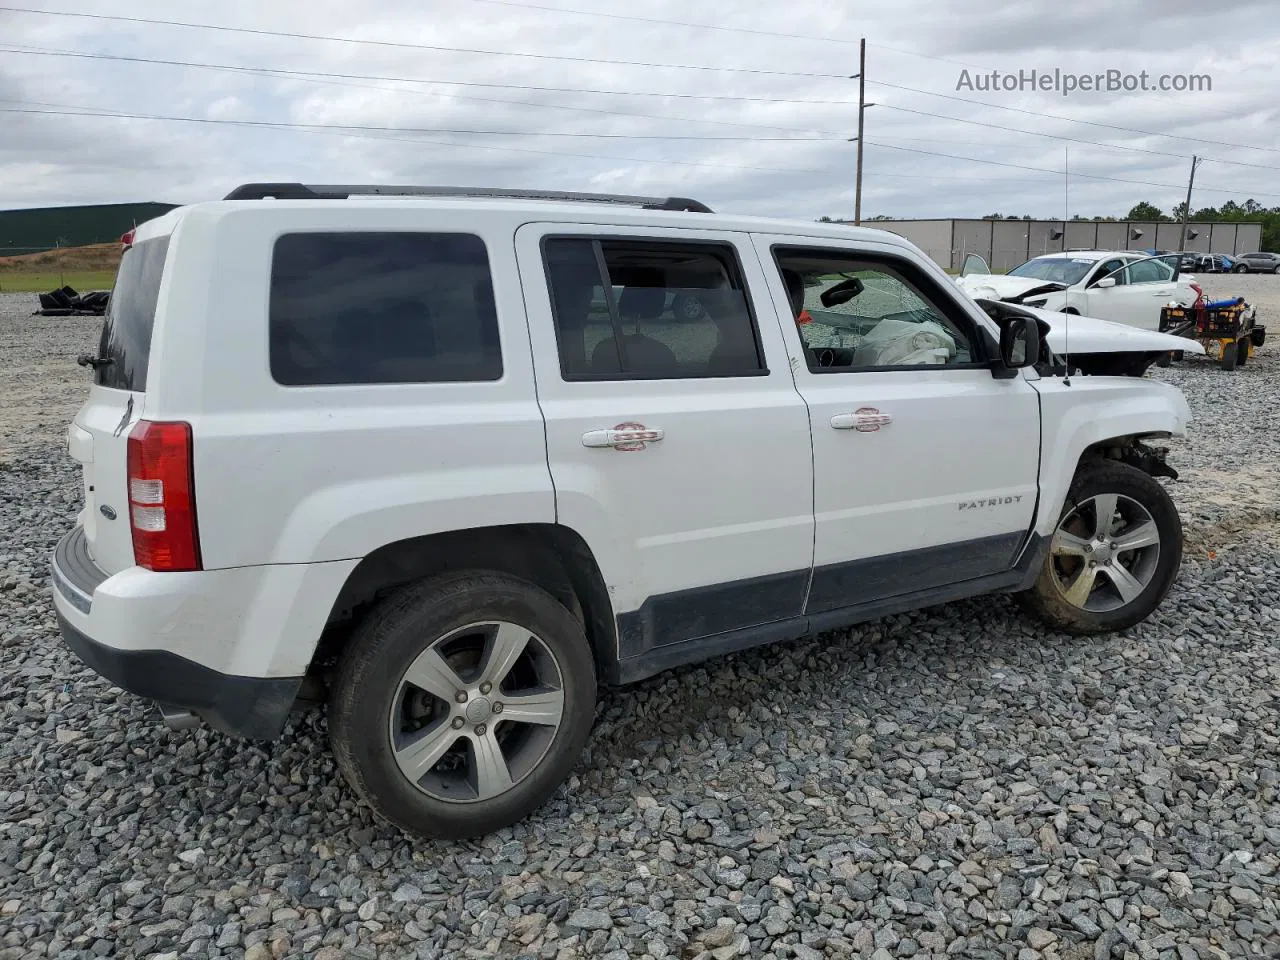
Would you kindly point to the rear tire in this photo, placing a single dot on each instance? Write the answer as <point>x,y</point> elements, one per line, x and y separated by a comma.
<point>484,762</point>
<point>1242,352</point>
<point>1276,270</point>
<point>1126,583</point>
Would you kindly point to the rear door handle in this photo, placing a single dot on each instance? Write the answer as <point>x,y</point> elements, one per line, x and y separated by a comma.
<point>864,420</point>
<point>625,436</point>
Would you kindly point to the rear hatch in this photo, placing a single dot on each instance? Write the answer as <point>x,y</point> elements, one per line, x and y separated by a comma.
<point>98,437</point>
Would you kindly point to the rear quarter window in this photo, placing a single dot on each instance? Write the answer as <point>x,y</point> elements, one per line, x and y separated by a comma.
<point>131,316</point>
<point>374,307</point>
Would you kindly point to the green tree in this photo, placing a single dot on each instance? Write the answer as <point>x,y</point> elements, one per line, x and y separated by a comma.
<point>1147,212</point>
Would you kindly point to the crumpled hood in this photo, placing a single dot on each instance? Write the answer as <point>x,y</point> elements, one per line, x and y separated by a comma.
<point>992,286</point>
<point>1092,335</point>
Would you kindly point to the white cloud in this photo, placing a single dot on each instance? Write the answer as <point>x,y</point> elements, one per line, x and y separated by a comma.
<point>60,159</point>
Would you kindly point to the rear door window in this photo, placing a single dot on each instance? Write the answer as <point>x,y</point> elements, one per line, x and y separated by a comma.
<point>670,310</point>
<point>130,317</point>
<point>375,307</point>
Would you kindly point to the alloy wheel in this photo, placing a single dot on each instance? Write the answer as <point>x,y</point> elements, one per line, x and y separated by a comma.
<point>476,712</point>
<point>1105,552</point>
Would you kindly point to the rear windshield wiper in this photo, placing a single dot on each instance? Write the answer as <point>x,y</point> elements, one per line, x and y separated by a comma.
<point>89,360</point>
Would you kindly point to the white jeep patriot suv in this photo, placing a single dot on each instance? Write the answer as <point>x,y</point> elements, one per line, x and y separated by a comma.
<point>453,458</point>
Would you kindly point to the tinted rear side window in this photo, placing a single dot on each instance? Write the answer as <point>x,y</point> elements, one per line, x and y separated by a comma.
<point>131,315</point>
<point>349,308</point>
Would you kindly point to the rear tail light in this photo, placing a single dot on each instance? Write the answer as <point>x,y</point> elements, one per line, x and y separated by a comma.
<point>162,505</point>
<point>126,240</point>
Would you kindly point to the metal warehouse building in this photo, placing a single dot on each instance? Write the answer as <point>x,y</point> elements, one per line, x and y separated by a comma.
<point>44,228</point>
<point>1007,243</point>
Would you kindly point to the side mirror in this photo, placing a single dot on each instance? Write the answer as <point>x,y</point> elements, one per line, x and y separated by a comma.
<point>1019,345</point>
<point>1106,282</point>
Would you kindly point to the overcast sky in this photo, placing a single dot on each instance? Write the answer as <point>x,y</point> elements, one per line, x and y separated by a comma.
<point>658,125</point>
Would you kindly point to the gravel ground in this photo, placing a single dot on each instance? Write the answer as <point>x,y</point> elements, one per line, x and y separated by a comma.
<point>953,782</point>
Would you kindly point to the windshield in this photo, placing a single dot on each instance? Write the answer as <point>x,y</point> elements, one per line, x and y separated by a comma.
<point>131,313</point>
<point>1067,270</point>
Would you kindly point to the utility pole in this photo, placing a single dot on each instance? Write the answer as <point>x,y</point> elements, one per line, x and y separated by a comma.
<point>862,106</point>
<point>1066,188</point>
<point>1186,212</point>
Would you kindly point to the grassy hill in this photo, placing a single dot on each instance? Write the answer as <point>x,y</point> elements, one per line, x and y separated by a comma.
<point>84,268</point>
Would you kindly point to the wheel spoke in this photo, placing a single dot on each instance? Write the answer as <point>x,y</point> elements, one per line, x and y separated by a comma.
<point>489,773</point>
<point>418,757</point>
<point>1126,584</point>
<point>431,673</point>
<point>1068,544</point>
<point>502,651</point>
<point>544,708</point>
<point>1078,593</point>
<point>1104,505</point>
<point>1142,535</point>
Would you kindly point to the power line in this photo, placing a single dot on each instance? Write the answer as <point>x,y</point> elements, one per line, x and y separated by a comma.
<point>303,74</point>
<point>378,133</point>
<point>339,132</point>
<point>925,56</point>
<point>1059,136</point>
<point>405,45</point>
<point>1093,123</point>
<point>1089,176</point>
<point>323,77</point>
<point>57,109</point>
<point>345,80</point>
<point>772,34</point>
<point>84,112</point>
<point>718,165</point>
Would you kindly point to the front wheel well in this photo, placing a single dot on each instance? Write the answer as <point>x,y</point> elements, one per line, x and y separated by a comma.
<point>1133,450</point>
<point>547,555</point>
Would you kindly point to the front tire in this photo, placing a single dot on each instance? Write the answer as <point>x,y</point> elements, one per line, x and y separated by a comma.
<point>1240,268</point>
<point>1229,358</point>
<point>462,703</point>
<point>1113,556</point>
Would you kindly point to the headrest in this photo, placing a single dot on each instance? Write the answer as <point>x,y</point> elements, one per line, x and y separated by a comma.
<point>642,303</point>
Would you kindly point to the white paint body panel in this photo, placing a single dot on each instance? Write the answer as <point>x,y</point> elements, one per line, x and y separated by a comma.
<point>98,440</point>
<point>1092,409</point>
<point>957,435</point>
<point>247,622</point>
<point>1092,335</point>
<point>726,495</point>
<point>295,485</point>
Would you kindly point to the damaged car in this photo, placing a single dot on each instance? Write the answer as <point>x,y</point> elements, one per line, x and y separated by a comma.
<point>1124,286</point>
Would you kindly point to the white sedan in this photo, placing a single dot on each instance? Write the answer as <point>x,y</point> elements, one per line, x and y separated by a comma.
<point>1118,285</point>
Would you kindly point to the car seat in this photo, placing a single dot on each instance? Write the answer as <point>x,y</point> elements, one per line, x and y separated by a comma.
<point>735,350</point>
<point>643,354</point>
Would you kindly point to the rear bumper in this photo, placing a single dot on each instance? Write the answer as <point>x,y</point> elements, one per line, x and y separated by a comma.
<point>251,707</point>
<point>116,632</point>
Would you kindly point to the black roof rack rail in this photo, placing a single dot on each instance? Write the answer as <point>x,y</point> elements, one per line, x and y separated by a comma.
<point>303,191</point>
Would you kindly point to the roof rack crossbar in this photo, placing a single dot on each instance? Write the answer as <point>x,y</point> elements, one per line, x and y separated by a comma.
<point>303,191</point>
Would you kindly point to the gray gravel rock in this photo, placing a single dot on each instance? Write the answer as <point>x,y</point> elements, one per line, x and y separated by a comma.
<point>956,782</point>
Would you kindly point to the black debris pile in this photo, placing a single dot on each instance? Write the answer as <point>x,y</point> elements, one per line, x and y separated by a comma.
<point>66,302</point>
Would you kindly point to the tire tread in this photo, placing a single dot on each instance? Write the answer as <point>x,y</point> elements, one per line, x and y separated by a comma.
<point>367,647</point>
<point>1044,601</point>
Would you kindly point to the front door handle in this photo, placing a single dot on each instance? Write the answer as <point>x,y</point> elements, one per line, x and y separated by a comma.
<point>625,437</point>
<point>864,420</point>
